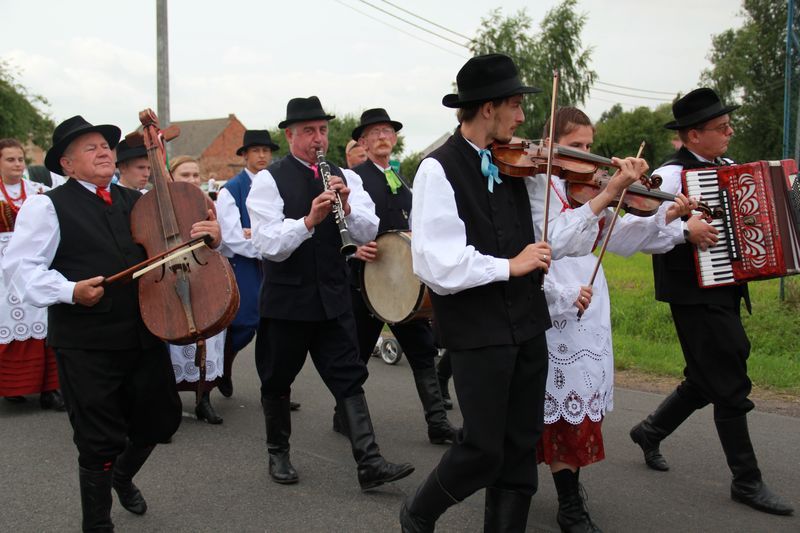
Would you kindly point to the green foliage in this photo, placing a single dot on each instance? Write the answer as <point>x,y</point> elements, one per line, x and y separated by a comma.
<point>619,133</point>
<point>408,166</point>
<point>20,116</point>
<point>555,44</point>
<point>645,338</point>
<point>749,69</point>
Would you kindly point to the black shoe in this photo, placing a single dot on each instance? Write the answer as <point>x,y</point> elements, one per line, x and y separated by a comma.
<point>126,466</point>
<point>96,500</point>
<point>281,469</point>
<point>52,400</point>
<point>373,469</point>
<point>644,435</point>
<point>440,431</point>
<point>15,399</point>
<point>294,406</point>
<point>747,486</point>
<point>505,511</point>
<point>573,516</point>
<point>225,386</point>
<point>420,511</point>
<point>204,410</point>
<point>649,433</point>
<point>278,422</point>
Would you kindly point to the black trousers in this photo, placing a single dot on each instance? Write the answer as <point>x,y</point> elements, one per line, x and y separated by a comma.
<point>416,336</point>
<point>116,396</point>
<point>715,347</point>
<point>501,394</point>
<point>282,345</point>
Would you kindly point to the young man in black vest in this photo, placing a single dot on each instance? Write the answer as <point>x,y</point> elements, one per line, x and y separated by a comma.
<point>377,133</point>
<point>305,296</point>
<point>475,247</point>
<point>707,320</point>
<point>133,165</point>
<point>115,375</point>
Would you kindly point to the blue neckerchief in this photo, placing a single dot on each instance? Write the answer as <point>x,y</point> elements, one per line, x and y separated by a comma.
<point>489,169</point>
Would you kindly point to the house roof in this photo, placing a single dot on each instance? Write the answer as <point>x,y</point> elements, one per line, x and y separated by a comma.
<point>197,135</point>
<point>436,144</point>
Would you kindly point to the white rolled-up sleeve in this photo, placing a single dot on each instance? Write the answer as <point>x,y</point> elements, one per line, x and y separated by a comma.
<point>362,220</point>
<point>274,236</point>
<point>230,223</point>
<point>441,257</point>
<point>26,263</point>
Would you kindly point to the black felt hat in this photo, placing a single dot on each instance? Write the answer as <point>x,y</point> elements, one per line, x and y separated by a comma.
<point>126,151</point>
<point>256,138</point>
<point>485,78</point>
<point>700,105</point>
<point>71,129</point>
<point>369,117</point>
<point>302,110</point>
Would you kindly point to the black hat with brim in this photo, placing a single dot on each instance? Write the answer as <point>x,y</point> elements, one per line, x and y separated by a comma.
<point>126,152</point>
<point>484,78</point>
<point>369,117</point>
<point>71,129</point>
<point>697,107</point>
<point>304,110</point>
<point>256,138</point>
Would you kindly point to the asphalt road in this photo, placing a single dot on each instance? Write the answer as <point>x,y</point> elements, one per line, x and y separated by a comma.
<point>214,478</point>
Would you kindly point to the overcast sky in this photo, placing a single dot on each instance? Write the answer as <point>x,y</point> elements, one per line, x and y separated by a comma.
<point>249,57</point>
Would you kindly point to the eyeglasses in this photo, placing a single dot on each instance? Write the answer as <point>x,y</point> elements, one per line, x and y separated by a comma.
<point>376,132</point>
<point>722,128</point>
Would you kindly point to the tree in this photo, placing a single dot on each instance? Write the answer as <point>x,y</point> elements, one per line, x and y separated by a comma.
<point>619,133</point>
<point>556,44</point>
<point>20,114</point>
<point>749,69</point>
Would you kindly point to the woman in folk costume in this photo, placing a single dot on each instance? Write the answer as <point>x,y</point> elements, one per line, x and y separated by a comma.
<point>27,364</point>
<point>580,380</point>
<point>185,168</point>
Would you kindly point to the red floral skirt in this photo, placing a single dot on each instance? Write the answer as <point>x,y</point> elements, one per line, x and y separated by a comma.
<point>27,367</point>
<point>576,445</point>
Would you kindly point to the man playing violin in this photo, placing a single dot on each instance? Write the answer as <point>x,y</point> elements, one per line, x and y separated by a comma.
<point>707,320</point>
<point>305,297</point>
<point>476,248</point>
<point>116,376</point>
<point>377,133</point>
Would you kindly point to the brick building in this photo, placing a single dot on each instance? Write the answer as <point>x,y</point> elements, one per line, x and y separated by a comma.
<point>213,142</point>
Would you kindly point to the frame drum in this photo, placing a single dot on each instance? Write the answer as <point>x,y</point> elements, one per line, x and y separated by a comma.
<point>390,289</point>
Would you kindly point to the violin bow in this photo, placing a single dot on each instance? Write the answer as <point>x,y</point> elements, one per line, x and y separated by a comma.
<point>608,233</point>
<point>550,146</point>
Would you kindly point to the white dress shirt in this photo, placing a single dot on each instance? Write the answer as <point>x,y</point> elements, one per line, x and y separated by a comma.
<point>276,237</point>
<point>230,223</point>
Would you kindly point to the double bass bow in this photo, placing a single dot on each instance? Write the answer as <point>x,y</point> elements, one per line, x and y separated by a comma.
<point>188,292</point>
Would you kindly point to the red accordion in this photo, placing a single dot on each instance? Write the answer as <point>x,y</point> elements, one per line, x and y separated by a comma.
<point>759,234</point>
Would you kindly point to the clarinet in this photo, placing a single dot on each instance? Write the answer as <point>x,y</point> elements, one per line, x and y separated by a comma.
<point>348,245</point>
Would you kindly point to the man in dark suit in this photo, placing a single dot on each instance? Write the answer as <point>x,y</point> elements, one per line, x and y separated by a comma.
<point>115,375</point>
<point>305,297</point>
<point>377,133</point>
<point>707,320</point>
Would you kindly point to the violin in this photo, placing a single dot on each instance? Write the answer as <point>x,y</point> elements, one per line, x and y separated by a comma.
<point>585,179</point>
<point>192,294</point>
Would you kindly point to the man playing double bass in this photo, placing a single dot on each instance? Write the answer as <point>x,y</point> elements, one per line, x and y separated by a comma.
<point>305,297</point>
<point>116,376</point>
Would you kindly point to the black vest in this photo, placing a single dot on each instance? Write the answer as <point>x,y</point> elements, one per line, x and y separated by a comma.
<point>675,272</point>
<point>497,224</point>
<point>96,241</point>
<point>392,209</point>
<point>311,284</point>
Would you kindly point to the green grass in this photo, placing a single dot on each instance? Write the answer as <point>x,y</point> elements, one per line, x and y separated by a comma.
<point>645,338</point>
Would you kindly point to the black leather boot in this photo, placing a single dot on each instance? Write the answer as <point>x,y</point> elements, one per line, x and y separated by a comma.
<point>373,469</point>
<point>96,500</point>
<point>447,401</point>
<point>747,486</point>
<point>573,517</point>
<point>420,511</point>
<point>505,511</point>
<point>204,410</point>
<point>52,399</point>
<point>127,466</point>
<point>649,433</point>
<point>278,419</point>
<point>338,423</point>
<point>439,429</point>
<point>444,371</point>
<point>225,386</point>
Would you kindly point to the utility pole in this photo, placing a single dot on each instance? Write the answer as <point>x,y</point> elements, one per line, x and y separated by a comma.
<point>162,73</point>
<point>792,52</point>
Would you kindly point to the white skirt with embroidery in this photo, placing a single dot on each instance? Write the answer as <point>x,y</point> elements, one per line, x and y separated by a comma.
<point>183,359</point>
<point>18,321</point>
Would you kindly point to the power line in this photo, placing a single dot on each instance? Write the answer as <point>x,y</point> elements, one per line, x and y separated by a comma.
<point>373,6</point>
<point>634,88</point>
<point>400,30</point>
<point>426,20</point>
<point>630,95</point>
